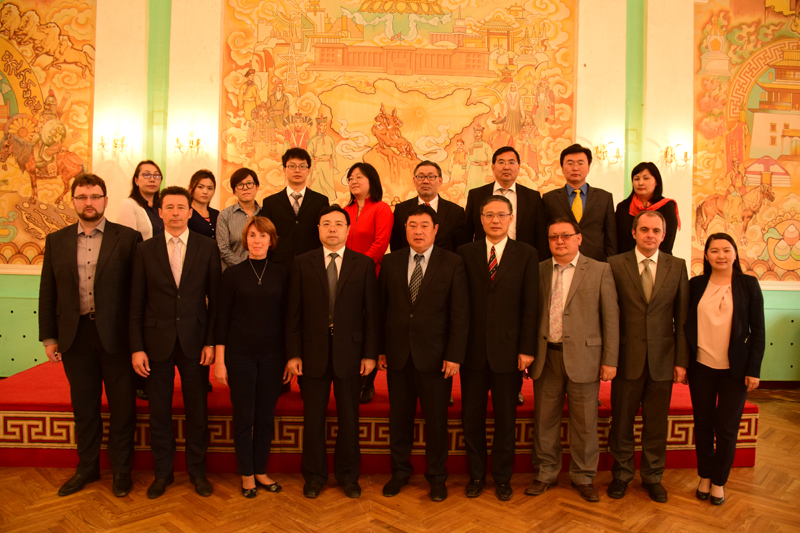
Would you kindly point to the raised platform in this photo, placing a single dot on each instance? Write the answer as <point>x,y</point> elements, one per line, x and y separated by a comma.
<point>37,429</point>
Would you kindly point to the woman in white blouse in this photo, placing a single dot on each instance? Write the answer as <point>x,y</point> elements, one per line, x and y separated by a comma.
<point>140,210</point>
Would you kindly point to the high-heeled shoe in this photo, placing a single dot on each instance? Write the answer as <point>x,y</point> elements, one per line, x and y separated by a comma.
<point>718,501</point>
<point>249,493</point>
<point>703,496</point>
<point>272,487</point>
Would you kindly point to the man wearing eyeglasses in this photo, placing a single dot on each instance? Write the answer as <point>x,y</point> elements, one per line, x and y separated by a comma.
<point>427,180</point>
<point>578,347</point>
<point>83,322</point>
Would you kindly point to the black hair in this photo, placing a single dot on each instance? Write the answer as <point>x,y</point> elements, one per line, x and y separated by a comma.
<point>333,209</point>
<point>175,190</point>
<point>496,198</point>
<point>563,220</point>
<point>295,153</point>
<point>717,237</point>
<point>375,189</point>
<point>646,165</point>
<point>240,175</point>
<point>88,180</point>
<point>422,209</point>
<point>429,164</point>
<point>575,149</point>
<point>502,150</point>
<point>135,192</point>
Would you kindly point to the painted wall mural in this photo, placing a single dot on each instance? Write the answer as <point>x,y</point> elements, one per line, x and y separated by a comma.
<point>46,79</point>
<point>747,132</point>
<point>394,83</point>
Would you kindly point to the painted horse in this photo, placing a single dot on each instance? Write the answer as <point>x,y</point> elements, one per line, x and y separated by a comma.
<point>714,206</point>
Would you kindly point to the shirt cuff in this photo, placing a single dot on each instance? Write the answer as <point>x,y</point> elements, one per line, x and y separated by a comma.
<point>48,342</point>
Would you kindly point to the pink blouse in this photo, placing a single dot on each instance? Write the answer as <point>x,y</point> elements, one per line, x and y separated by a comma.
<point>714,319</point>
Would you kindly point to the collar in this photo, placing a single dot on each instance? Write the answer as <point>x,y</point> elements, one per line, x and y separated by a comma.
<point>641,257</point>
<point>497,187</point>
<point>434,203</point>
<point>289,192</point>
<point>426,253</point>
<point>584,189</point>
<point>574,261</point>
<point>184,237</point>
<point>499,247</point>
<point>327,251</point>
<point>101,227</point>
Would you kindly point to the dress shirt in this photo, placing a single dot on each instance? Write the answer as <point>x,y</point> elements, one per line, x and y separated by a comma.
<point>571,194</point>
<point>566,281</point>
<point>498,249</point>
<point>290,191</point>
<point>423,263</point>
<point>88,252</point>
<point>512,197</point>
<point>327,254</point>
<point>640,261</point>
<point>230,224</point>
<point>714,321</point>
<point>184,237</point>
<point>433,203</point>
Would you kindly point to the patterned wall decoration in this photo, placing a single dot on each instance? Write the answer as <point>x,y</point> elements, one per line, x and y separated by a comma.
<point>393,83</point>
<point>46,81</point>
<point>747,132</point>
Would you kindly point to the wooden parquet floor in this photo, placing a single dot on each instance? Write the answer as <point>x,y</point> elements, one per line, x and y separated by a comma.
<point>765,498</point>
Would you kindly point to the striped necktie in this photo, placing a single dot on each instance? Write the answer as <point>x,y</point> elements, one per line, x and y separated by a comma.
<point>492,264</point>
<point>416,278</point>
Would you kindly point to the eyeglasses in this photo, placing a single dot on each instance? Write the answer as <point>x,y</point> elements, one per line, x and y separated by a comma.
<point>499,216</point>
<point>502,163</point>
<point>292,166</point>
<point>356,178</point>
<point>150,177</point>
<point>94,198</point>
<point>245,185</point>
<point>328,225</point>
<point>564,236</point>
<point>422,178</point>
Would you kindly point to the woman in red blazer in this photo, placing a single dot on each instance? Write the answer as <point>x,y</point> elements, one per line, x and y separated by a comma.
<point>371,221</point>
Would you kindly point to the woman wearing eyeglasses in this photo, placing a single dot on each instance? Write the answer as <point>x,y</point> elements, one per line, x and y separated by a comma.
<point>204,217</point>
<point>232,220</point>
<point>139,210</point>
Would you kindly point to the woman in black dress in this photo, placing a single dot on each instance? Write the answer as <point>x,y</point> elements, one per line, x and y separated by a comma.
<point>250,354</point>
<point>204,217</point>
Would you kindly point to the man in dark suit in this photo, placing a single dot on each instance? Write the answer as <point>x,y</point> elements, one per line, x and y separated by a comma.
<point>594,212</point>
<point>426,313</point>
<point>332,336</point>
<point>427,180</point>
<point>171,325</point>
<point>503,277</point>
<point>83,320</point>
<point>653,290</point>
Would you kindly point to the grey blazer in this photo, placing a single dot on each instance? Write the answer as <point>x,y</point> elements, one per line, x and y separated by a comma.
<point>651,331</point>
<point>590,322</point>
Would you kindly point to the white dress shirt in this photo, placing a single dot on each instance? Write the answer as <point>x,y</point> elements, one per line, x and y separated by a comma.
<point>512,197</point>
<point>184,237</point>
<point>423,263</point>
<point>640,257</point>
<point>499,248</point>
<point>327,252</point>
<point>302,193</point>
<point>433,203</point>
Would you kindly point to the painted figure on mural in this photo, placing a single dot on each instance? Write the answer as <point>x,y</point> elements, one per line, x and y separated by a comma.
<point>735,192</point>
<point>248,95</point>
<point>297,132</point>
<point>501,137</point>
<point>480,159</point>
<point>278,104</point>
<point>544,108</point>
<point>458,163</point>
<point>258,132</point>
<point>527,144</point>
<point>513,111</point>
<point>322,149</point>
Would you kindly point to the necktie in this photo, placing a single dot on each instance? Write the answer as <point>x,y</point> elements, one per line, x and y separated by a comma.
<point>333,279</point>
<point>416,278</point>
<point>492,264</point>
<point>647,279</point>
<point>557,303</point>
<point>504,192</point>
<point>577,206</point>
<point>175,260</point>
<point>296,203</point>
<point>428,204</point>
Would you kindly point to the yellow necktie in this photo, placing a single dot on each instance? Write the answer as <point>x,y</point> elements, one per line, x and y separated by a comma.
<point>577,206</point>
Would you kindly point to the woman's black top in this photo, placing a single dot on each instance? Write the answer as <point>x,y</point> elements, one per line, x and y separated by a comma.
<point>625,241</point>
<point>155,218</point>
<point>200,225</point>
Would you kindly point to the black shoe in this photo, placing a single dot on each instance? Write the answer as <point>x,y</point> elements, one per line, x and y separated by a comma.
<point>657,492</point>
<point>141,394</point>
<point>520,399</point>
<point>366,395</point>
<point>202,486</point>
<point>392,488</point>
<point>718,501</point>
<point>451,402</point>
<point>210,388</point>
<point>702,496</point>
<point>272,487</point>
<point>77,482</point>
<point>249,493</point>
<point>503,491</point>
<point>438,492</point>
<point>121,485</point>
<point>475,488</point>
<point>312,489</point>
<point>159,486</point>
<point>616,489</point>
<point>352,490</point>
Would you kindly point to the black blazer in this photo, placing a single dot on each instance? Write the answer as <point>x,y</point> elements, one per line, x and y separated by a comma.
<point>531,217</point>
<point>59,302</point>
<point>625,241</point>
<point>356,322</point>
<point>434,328</point>
<point>161,312</point>
<point>598,223</point>
<point>206,228</point>
<point>746,350</point>
<point>450,217</point>
<point>504,314</point>
<point>297,234</point>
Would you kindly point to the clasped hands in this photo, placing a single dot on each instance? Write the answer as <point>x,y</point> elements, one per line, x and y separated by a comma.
<point>141,363</point>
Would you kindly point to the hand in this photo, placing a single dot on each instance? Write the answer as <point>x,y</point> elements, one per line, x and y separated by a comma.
<point>141,364</point>
<point>752,383</point>
<point>51,351</point>
<point>366,366</point>
<point>450,369</point>
<point>524,361</point>
<point>382,362</point>
<point>607,373</point>
<point>221,373</point>
<point>294,367</point>
<point>207,355</point>
<point>679,375</point>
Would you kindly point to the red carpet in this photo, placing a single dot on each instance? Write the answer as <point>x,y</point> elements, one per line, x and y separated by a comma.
<point>36,428</point>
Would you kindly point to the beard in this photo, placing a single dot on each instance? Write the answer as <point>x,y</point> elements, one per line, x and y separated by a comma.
<point>95,216</point>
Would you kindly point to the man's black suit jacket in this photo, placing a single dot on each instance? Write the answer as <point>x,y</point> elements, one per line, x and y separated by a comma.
<point>449,215</point>
<point>434,328</point>
<point>356,324</point>
<point>297,234</point>
<point>598,223</point>
<point>59,302</point>
<point>162,312</point>
<point>530,215</point>
<point>504,312</point>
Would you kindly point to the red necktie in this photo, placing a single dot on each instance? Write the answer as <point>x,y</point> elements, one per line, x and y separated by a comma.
<point>492,264</point>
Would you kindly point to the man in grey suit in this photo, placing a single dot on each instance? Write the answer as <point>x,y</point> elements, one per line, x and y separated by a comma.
<point>578,347</point>
<point>653,291</point>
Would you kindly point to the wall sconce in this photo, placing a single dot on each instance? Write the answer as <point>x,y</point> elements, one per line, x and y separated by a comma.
<point>193,145</point>
<point>117,144</point>
<point>680,160</point>
<point>602,151</point>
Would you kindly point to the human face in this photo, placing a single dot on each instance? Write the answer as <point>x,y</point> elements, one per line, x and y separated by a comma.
<point>246,190</point>
<point>721,256</point>
<point>478,135</point>
<point>427,182</point>
<point>420,232</point>
<point>563,248</point>
<point>644,184</point>
<point>359,184</point>
<point>257,243</point>
<point>496,219</point>
<point>649,234</point>
<point>575,169</point>
<point>333,230</point>
<point>506,169</point>
<point>148,180</point>
<point>296,172</point>
<point>204,191</point>
<point>175,212</point>
<point>89,207</point>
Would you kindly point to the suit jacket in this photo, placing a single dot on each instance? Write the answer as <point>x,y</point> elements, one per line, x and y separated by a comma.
<point>59,302</point>
<point>590,322</point>
<point>434,328</point>
<point>598,223</point>
<point>356,316</point>
<point>651,331</point>
<point>450,217</point>
<point>503,312</point>
<point>530,215</point>
<point>161,312</point>
<point>746,349</point>
<point>297,234</point>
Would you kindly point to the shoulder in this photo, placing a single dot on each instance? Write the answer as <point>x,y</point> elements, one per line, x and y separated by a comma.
<point>749,282</point>
<point>227,212</point>
<point>358,258</point>
<point>398,257</point>
<point>313,195</point>
<point>445,256</point>
<point>624,205</point>
<point>274,268</point>
<point>122,231</point>
<point>523,190</point>
<point>213,212</point>
<point>698,283</point>
<point>479,192</point>
<point>382,208</point>
<point>545,265</point>
<point>408,204</point>
<point>63,233</point>
<point>448,206</point>
<point>200,240</point>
